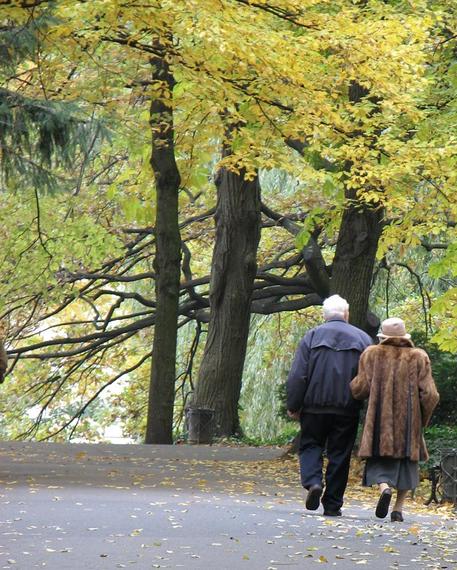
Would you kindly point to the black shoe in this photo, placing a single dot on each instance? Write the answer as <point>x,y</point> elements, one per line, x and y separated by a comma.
<point>396,516</point>
<point>382,508</point>
<point>337,513</point>
<point>314,497</point>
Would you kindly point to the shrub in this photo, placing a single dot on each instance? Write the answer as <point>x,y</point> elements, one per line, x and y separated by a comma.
<point>439,438</point>
<point>444,370</point>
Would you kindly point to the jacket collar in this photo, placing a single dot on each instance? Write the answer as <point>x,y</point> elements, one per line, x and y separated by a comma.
<point>397,341</point>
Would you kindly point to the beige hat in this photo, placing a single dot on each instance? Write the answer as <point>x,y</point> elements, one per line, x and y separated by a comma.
<point>393,327</point>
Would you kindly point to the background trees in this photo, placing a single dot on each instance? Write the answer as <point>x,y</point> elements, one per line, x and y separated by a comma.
<point>344,120</point>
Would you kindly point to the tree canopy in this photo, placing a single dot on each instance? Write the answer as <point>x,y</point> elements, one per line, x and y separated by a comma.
<point>335,107</point>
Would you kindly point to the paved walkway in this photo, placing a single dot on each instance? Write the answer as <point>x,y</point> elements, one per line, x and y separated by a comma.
<point>95,507</point>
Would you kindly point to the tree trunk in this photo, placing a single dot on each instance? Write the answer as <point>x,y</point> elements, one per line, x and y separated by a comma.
<point>355,255</point>
<point>166,262</point>
<point>233,270</point>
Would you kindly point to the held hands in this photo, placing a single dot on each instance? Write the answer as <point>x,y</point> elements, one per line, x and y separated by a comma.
<point>293,415</point>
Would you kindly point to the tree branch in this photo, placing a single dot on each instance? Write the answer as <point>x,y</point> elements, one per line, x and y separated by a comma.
<point>97,394</point>
<point>311,253</point>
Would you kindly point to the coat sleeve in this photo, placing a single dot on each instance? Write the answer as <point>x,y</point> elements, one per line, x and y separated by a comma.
<point>428,394</point>
<point>361,384</point>
<point>297,380</point>
<point>3,361</point>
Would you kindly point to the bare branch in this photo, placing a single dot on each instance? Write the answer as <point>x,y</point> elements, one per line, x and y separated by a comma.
<point>97,394</point>
<point>292,305</point>
<point>311,253</point>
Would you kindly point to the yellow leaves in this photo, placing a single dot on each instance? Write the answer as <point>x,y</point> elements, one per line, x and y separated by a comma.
<point>278,80</point>
<point>136,532</point>
<point>219,54</point>
<point>390,549</point>
<point>359,533</point>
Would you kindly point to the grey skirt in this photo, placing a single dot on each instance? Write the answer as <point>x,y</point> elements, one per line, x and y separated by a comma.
<point>402,474</point>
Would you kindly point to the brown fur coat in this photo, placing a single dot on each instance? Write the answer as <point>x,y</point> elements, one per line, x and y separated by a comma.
<point>396,378</point>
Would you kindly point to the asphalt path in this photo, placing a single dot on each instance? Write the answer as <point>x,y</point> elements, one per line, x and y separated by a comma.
<point>95,507</point>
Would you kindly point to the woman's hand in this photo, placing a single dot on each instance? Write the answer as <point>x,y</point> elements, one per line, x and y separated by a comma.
<point>294,415</point>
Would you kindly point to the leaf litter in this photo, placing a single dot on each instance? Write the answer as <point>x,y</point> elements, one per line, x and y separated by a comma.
<point>266,486</point>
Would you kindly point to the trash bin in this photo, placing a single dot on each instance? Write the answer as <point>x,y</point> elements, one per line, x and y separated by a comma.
<point>448,464</point>
<point>200,425</point>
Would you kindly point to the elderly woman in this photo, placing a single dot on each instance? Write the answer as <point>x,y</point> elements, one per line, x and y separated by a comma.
<point>396,378</point>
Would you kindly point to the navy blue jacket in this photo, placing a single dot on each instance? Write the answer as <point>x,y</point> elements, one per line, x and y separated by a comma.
<point>326,361</point>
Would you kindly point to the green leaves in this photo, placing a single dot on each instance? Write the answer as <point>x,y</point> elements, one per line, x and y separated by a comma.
<point>316,217</point>
<point>394,146</point>
<point>135,210</point>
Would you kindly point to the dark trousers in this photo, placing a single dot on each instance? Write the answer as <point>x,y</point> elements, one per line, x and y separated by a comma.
<point>336,433</point>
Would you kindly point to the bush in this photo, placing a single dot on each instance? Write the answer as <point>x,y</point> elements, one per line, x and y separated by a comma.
<point>439,438</point>
<point>444,370</point>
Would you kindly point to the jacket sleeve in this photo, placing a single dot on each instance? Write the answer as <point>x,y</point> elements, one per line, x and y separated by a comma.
<point>428,394</point>
<point>297,380</point>
<point>361,384</point>
<point>3,361</point>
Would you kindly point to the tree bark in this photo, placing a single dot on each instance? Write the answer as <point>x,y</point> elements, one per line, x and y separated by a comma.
<point>358,238</point>
<point>355,256</point>
<point>167,259</point>
<point>234,267</point>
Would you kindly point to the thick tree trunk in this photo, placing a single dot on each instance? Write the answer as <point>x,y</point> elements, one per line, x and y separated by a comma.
<point>355,256</point>
<point>233,271</point>
<point>166,262</point>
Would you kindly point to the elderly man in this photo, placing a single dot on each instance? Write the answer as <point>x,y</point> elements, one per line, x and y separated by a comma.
<point>318,395</point>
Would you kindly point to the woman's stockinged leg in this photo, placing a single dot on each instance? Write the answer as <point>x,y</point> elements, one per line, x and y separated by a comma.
<point>400,500</point>
<point>396,514</point>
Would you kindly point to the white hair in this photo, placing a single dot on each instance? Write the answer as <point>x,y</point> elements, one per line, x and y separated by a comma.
<point>335,306</point>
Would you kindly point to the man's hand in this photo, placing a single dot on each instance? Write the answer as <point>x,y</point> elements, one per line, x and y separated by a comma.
<point>294,415</point>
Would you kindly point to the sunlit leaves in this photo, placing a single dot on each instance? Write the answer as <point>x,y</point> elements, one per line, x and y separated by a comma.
<point>276,79</point>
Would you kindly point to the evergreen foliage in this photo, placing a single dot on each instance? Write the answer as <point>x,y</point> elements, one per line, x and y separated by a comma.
<point>444,370</point>
<point>38,132</point>
<point>33,133</point>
